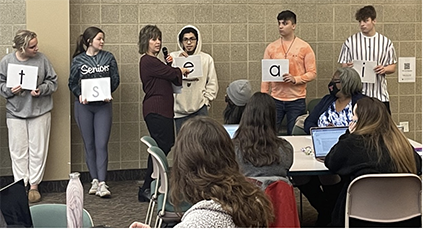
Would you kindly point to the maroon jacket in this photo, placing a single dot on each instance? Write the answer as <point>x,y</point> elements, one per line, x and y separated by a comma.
<point>157,78</point>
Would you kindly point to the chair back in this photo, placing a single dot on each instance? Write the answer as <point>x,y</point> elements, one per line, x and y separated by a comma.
<point>149,141</point>
<point>159,159</point>
<point>54,216</point>
<point>311,104</point>
<point>384,198</point>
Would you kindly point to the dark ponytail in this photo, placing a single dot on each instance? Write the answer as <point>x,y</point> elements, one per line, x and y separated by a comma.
<point>85,39</point>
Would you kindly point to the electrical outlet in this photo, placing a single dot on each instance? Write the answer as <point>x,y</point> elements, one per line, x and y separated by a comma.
<point>405,125</point>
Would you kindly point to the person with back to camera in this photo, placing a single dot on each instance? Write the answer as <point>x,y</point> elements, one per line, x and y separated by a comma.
<point>368,45</point>
<point>238,93</point>
<point>28,116</point>
<point>158,103</point>
<point>290,95</point>
<point>372,144</point>
<point>205,173</point>
<point>259,151</point>
<point>197,93</point>
<point>94,119</point>
<point>334,109</point>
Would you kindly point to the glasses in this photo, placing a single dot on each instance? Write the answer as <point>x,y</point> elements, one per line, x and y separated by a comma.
<point>191,40</point>
<point>336,80</point>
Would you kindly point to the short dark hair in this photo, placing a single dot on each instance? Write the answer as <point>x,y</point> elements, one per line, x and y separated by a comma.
<point>146,33</point>
<point>366,12</point>
<point>287,15</point>
<point>186,31</point>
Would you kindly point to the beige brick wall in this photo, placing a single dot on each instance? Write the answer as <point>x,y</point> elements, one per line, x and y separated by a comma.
<point>235,33</point>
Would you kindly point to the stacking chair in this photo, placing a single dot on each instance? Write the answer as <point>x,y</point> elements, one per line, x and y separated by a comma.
<point>384,198</point>
<point>54,216</point>
<point>166,212</point>
<point>154,186</point>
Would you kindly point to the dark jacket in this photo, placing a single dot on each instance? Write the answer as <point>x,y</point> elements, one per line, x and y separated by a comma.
<point>321,107</point>
<point>349,158</point>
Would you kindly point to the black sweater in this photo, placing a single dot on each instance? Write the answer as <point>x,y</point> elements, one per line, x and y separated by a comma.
<point>349,158</point>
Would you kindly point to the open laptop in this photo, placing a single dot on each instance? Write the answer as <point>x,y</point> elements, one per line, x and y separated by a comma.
<point>14,205</point>
<point>231,129</point>
<point>324,138</point>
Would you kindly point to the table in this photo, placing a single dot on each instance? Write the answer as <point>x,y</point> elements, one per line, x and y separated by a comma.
<point>307,164</point>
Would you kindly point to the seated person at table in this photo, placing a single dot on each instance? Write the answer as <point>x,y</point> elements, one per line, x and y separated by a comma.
<point>335,109</point>
<point>238,93</point>
<point>205,173</point>
<point>259,151</point>
<point>373,144</point>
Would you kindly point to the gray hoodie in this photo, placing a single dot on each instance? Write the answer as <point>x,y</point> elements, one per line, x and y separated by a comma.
<point>24,105</point>
<point>195,94</point>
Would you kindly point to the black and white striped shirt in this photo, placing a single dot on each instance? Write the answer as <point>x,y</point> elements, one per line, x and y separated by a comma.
<point>376,48</point>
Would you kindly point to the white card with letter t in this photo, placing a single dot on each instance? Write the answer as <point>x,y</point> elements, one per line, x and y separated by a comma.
<point>23,75</point>
<point>365,70</point>
<point>96,89</point>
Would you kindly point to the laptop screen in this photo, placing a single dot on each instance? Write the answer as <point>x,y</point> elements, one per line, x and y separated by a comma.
<point>324,138</point>
<point>14,205</point>
<point>231,129</point>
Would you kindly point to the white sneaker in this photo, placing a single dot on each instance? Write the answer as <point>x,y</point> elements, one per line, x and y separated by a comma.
<point>102,190</point>
<point>94,186</point>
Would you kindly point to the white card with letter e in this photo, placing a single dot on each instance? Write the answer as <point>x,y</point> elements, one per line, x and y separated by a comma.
<point>96,89</point>
<point>365,70</point>
<point>192,62</point>
<point>23,75</point>
<point>274,69</point>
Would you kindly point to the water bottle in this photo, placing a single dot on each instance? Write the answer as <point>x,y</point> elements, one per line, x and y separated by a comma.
<point>74,201</point>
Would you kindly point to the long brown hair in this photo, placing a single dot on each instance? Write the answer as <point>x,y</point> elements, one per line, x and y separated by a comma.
<point>256,136</point>
<point>84,40</point>
<point>205,168</point>
<point>377,127</point>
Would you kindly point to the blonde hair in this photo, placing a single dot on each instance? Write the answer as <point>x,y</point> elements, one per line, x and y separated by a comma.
<point>378,129</point>
<point>22,39</point>
<point>205,168</point>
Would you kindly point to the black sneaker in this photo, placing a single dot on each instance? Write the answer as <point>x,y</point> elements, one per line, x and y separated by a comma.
<point>143,195</point>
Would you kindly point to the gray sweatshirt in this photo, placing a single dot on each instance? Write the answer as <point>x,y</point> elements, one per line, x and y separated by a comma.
<point>24,105</point>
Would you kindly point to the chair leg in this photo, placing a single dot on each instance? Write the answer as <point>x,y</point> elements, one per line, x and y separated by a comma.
<point>149,210</point>
<point>151,213</point>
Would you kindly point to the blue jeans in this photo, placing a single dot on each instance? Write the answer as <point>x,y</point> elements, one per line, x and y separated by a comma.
<point>179,121</point>
<point>293,109</point>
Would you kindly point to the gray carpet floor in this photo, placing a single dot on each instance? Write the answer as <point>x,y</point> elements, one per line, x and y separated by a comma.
<point>123,207</point>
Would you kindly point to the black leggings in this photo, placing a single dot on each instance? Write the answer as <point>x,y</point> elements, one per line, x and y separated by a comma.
<point>161,129</point>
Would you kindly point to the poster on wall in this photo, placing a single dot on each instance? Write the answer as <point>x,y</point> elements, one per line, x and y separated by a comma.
<point>406,69</point>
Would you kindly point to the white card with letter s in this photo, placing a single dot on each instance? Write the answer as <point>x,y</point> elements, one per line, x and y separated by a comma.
<point>193,62</point>
<point>96,89</point>
<point>365,70</point>
<point>23,75</point>
<point>274,69</point>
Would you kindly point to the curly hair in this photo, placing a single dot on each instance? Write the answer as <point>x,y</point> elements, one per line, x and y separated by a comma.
<point>256,136</point>
<point>205,168</point>
<point>378,129</point>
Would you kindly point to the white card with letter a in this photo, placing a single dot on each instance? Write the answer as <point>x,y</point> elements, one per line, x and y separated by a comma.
<point>96,89</point>
<point>365,70</point>
<point>192,62</point>
<point>23,75</point>
<point>274,69</point>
